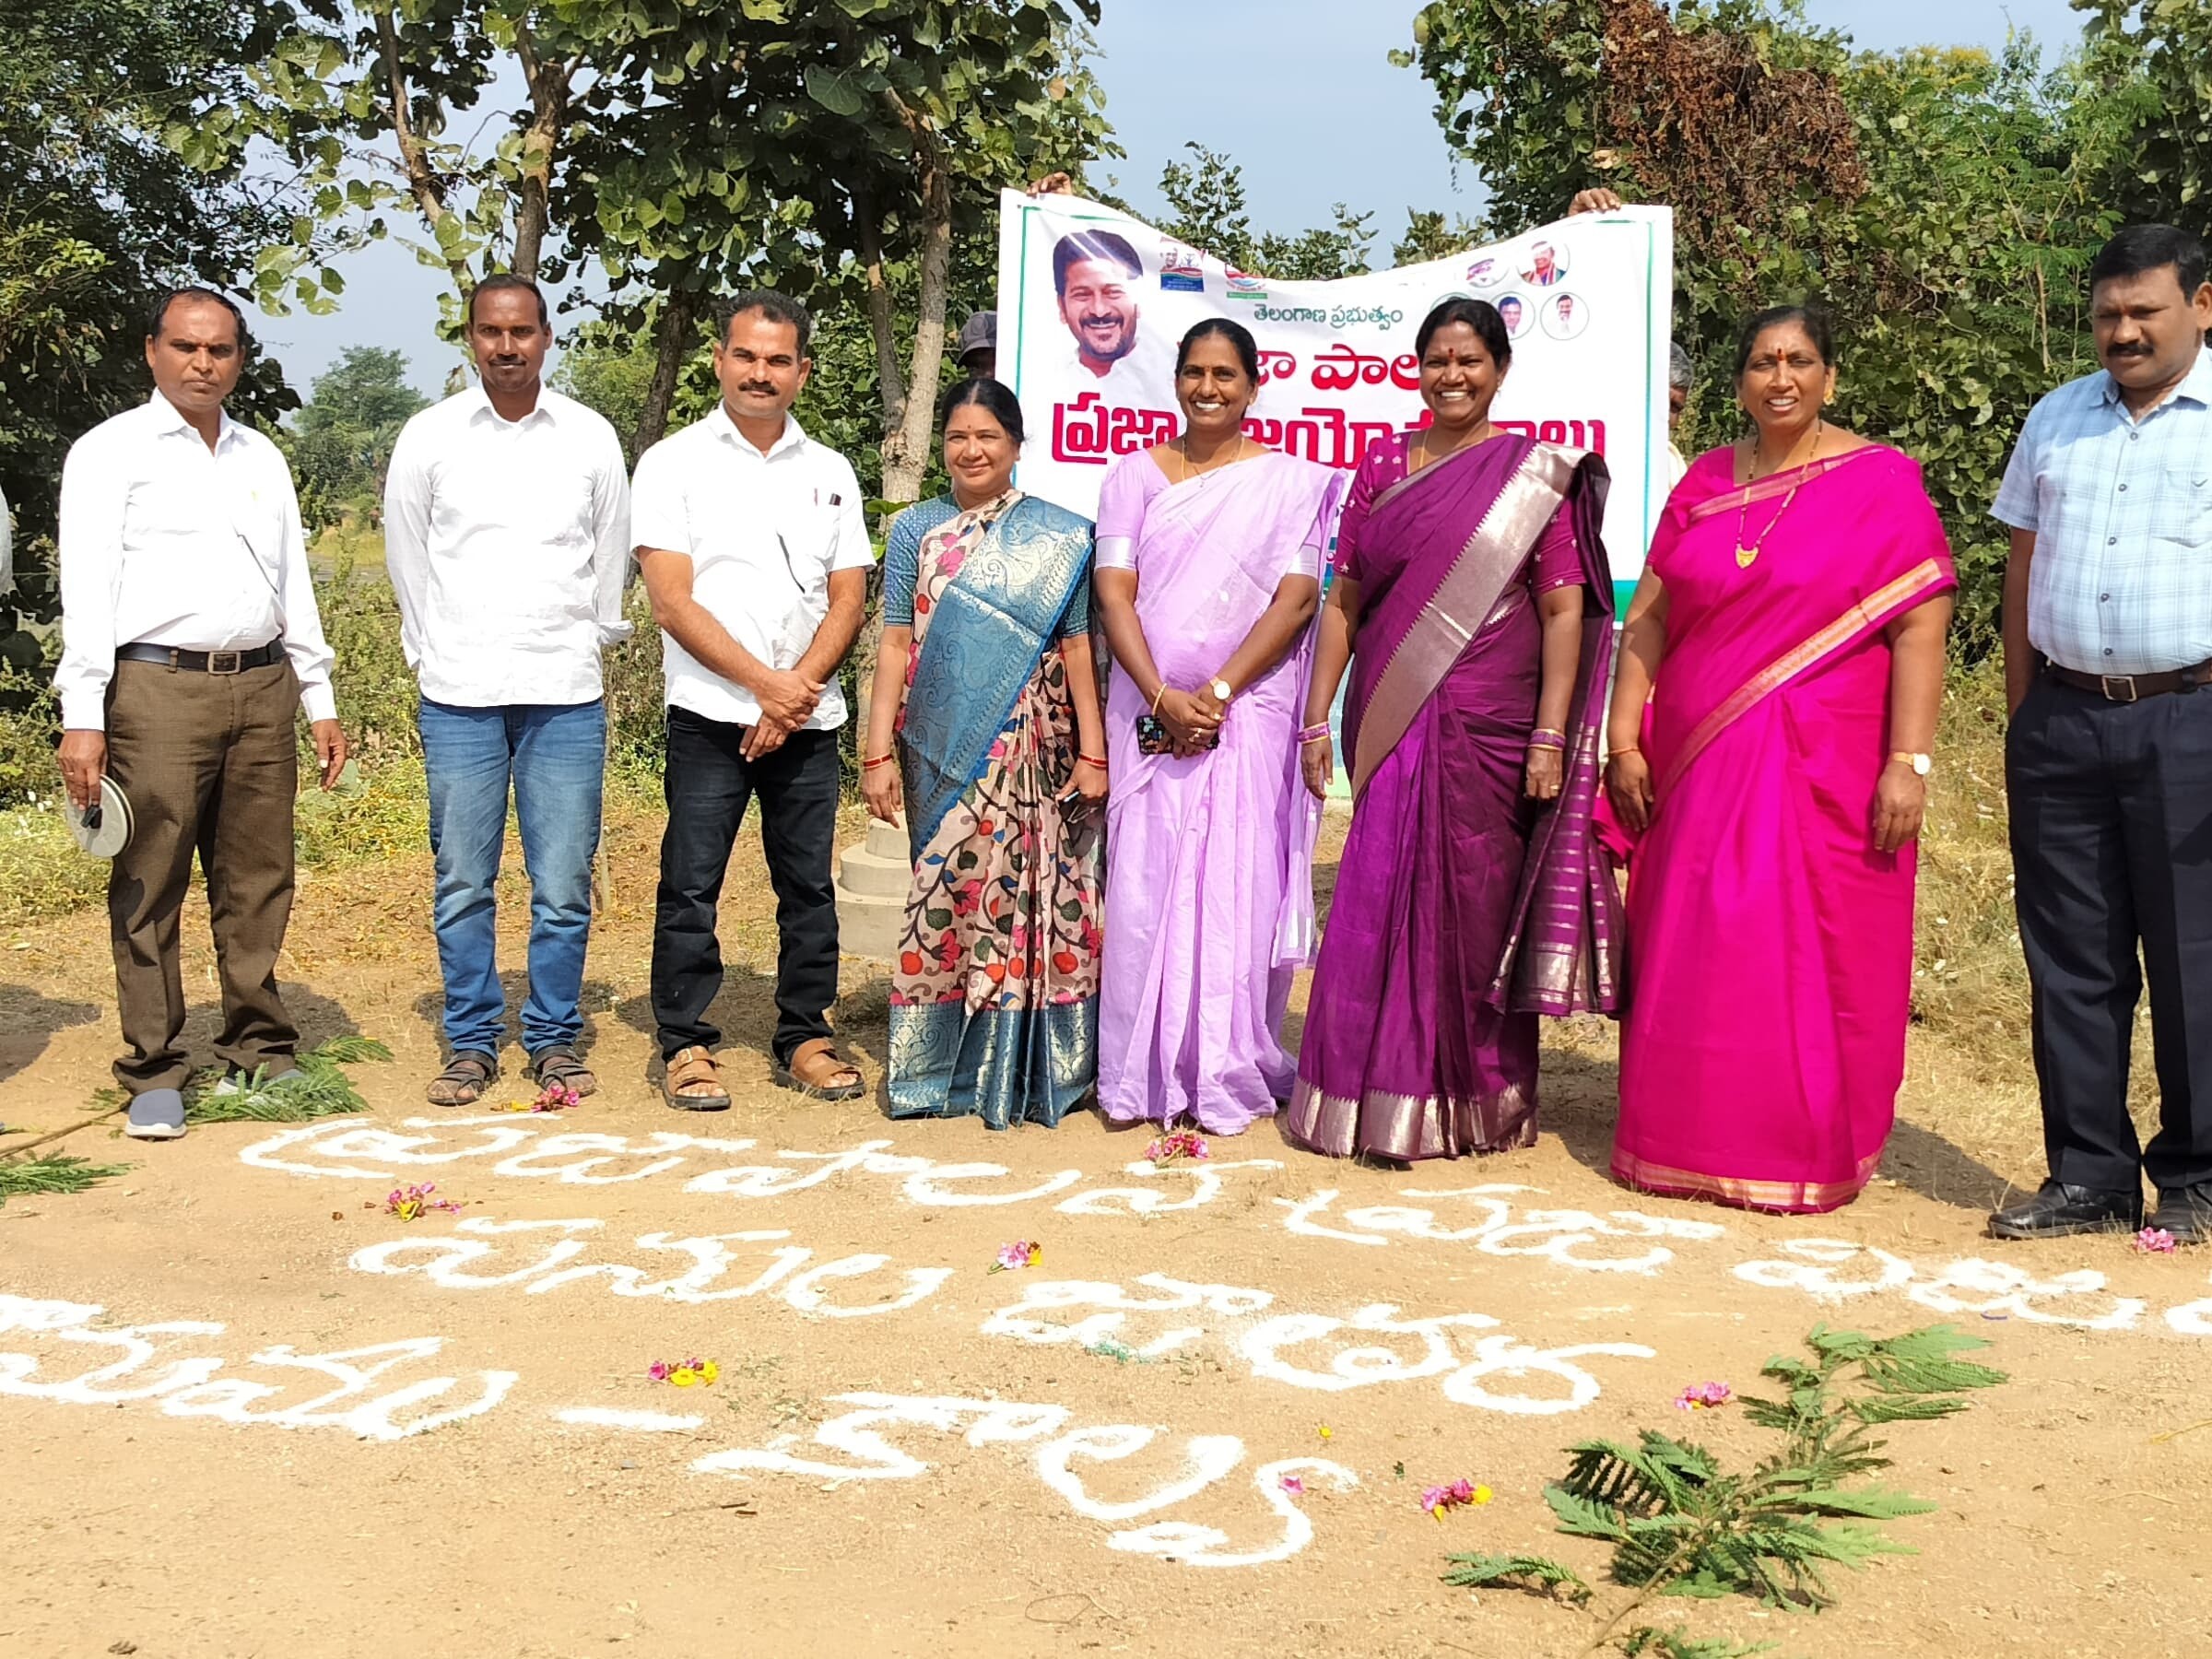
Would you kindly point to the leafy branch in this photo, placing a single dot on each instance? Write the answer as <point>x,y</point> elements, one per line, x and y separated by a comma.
<point>1680,1525</point>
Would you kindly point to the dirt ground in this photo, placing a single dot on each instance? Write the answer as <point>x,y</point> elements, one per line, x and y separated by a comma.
<point>220,1484</point>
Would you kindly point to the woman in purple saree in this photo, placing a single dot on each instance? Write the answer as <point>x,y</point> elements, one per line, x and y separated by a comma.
<point>1473,599</point>
<point>1792,618</point>
<point>1207,576</point>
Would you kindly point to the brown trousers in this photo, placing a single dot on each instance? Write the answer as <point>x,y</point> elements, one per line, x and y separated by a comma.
<point>210,766</point>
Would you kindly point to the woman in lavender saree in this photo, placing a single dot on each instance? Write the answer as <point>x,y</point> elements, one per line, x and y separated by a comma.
<point>1209,553</point>
<point>1792,614</point>
<point>1474,602</point>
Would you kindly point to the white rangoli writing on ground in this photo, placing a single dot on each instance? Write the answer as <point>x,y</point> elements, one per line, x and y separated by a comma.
<point>1569,1238</point>
<point>450,1259</point>
<point>1834,1269</point>
<point>119,1368</point>
<point>1372,1345</point>
<point>858,1437</point>
<point>353,1151</point>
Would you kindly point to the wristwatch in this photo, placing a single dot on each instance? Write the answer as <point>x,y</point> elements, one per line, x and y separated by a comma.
<point>1922,765</point>
<point>1222,690</point>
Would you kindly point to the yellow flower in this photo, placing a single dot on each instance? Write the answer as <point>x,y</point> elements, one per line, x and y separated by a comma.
<point>683,1376</point>
<point>1483,1494</point>
<point>1036,1254</point>
<point>710,1371</point>
<point>1327,1433</point>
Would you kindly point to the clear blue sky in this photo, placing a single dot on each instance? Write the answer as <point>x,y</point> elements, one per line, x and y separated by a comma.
<point>1299,92</point>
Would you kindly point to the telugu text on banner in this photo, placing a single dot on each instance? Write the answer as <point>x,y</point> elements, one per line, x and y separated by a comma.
<point>1091,304</point>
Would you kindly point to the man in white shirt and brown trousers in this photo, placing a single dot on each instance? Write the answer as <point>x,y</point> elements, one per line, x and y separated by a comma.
<point>754,544</point>
<point>506,537</point>
<point>189,638</point>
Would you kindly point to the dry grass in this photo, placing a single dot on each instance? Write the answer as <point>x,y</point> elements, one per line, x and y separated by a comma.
<point>1970,985</point>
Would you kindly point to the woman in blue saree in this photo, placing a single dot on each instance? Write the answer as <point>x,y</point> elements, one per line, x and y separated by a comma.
<point>984,726</point>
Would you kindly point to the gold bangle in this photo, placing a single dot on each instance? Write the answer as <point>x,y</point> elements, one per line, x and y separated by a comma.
<point>1158,695</point>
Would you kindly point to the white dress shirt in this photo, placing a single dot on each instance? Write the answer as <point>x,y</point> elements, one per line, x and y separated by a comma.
<point>762,532</point>
<point>166,541</point>
<point>507,541</point>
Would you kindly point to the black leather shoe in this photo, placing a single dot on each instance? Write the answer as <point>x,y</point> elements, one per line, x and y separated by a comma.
<point>2060,1209</point>
<point>2186,1212</point>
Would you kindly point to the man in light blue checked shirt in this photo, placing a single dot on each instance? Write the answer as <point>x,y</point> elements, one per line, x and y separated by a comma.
<point>2108,649</point>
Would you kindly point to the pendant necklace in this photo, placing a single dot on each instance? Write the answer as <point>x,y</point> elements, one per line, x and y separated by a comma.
<point>1746,555</point>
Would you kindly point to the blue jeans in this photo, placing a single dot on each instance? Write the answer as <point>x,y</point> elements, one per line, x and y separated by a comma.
<point>555,754</point>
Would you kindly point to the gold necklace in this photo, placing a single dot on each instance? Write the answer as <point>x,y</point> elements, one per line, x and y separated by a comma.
<point>1190,469</point>
<point>1428,458</point>
<point>1746,555</point>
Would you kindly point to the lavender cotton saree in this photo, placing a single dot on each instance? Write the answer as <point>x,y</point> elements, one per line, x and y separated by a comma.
<point>1461,910</point>
<point>1209,910</point>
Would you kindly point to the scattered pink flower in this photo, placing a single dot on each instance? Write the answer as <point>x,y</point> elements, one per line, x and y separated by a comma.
<point>684,1373</point>
<point>1184,1144</point>
<point>1460,1494</point>
<point>1022,1253</point>
<point>1293,1485</point>
<point>2154,1241</point>
<point>1704,1396</point>
<point>413,1203</point>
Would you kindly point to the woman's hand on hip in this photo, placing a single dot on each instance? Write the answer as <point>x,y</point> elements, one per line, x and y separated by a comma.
<point>1629,784</point>
<point>1317,762</point>
<point>1545,770</point>
<point>1087,780</point>
<point>880,787</point>
<point>1901,800</point>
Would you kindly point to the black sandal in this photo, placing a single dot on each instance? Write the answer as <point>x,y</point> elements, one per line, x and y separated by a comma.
<point>465,1077</point>
<point>557,1067</point>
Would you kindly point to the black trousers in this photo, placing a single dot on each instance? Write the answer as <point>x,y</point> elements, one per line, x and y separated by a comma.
<point>2112,849</point>
<point>708,785</point>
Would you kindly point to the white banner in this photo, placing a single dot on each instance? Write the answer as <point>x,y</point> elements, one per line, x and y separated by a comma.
<point>1091,304</point>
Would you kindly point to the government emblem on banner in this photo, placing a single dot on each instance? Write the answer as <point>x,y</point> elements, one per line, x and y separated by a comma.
<point>1241,287</point>
<point>1179,271</point>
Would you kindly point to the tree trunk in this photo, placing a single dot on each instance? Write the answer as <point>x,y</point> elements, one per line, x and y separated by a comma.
<point>548,85</point>
<point>679,313</point>
<point>906,445</point>
<point>423,183</point>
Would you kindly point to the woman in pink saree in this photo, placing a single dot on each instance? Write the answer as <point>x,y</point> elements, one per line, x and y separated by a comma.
<point>1781,672</point>
<point>1473,601</point>
<point>1206,578</point>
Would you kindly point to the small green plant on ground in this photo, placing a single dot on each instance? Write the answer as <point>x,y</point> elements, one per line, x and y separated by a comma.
<point>1679,1524</point>
<point>55,1173</point>
<point>321,1088</point>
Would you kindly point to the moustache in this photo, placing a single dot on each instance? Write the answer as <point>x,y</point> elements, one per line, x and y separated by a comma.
<point>758,389</point>
<point>2127,351</point>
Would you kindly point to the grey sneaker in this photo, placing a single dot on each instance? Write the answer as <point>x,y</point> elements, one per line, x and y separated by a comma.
<point>158,1115</point>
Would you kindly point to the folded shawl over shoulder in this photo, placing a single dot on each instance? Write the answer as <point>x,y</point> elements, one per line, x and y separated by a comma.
<point>991,625</point>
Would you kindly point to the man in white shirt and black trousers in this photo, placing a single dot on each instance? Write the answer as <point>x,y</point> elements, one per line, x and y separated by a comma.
<point>506,537</point>
<point>754,544</point>
<point>190,637</point>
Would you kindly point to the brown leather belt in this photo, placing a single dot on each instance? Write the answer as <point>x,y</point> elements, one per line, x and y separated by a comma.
<point>203,662</point>
<point>2132,687</point>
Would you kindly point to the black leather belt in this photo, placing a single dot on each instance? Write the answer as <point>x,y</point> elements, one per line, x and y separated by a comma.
<point>204,662</point>
<point>2132,687</point>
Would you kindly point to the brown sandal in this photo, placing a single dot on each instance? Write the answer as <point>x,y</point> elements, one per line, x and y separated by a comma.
<point>813,1069</point>
<point>683,1074</point>
<point>465,1077</point>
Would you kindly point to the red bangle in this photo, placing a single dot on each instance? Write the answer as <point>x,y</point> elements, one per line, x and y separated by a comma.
<point>1092,760</point>
<point>880,761</point>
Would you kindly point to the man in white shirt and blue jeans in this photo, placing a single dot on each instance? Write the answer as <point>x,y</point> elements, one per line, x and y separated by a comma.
<point>2108,762</point>
<point>753,540</point>
<point>507,535</point>
<point>189,642</point>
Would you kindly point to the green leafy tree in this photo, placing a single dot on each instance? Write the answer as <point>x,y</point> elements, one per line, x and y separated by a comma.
<point>341,440</point>
<point>1206,200</point>
<point>97,216</point>
<point>1943,205</point>
<point>2153,59</point>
